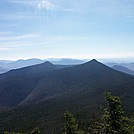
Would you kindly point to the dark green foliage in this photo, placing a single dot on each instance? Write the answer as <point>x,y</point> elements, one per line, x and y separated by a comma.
<point>113,120</point>
<point>35,131</point>
<point>113,115</point>
<point>71,127</point>
<point>14,133</point>
<point>131,128</point>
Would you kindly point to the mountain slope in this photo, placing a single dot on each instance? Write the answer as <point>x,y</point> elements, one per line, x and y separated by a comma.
<point>15,85</point>
<point>127,65</point>
<point>123,69</point>
<point>78,89</point>
<point>46,81</point>
<point>92,76</point>
<point>3,70</point>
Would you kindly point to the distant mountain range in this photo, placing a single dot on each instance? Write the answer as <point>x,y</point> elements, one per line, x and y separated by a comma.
<point>3,70</point>
<point>65,61</point>
<point>29,83</point>
<point>6,65</point>
<point>42,93</point>
<point>130,66</point>
<point>123,69</point>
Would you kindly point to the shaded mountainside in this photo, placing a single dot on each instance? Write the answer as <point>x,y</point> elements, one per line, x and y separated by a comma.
<point>90,77</point>
<point>15,85</point>
<point>46,81</point>
<point>46,95</point>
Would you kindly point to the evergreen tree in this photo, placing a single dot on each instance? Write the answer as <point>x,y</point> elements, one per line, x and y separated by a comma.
<point>113,115</point>
<point>35,131</point>
<point>113,121</point>
<point>71,127</point>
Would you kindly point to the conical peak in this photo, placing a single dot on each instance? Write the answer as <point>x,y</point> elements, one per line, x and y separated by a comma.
<point>94,60</point>
<point>48,63</point>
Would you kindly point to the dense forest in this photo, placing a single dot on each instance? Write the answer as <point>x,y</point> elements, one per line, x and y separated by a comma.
<point>112,120</point>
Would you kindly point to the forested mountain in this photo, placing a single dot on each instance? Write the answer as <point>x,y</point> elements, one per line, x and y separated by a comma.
<point>42,93</point>
<point>44,81</point>
<point>90,77</point>
<point>15,85</point>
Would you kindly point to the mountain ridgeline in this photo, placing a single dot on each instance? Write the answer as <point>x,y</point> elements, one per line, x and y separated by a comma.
<point>42,93</point>
<point>6,65</point>
<point>123,69</point>
<point>44,81</point>
<point>17,84</point>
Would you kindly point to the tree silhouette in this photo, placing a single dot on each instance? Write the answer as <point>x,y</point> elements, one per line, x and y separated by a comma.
<point>112,120</point>
<point>35,131</point>
<point>71,127</point>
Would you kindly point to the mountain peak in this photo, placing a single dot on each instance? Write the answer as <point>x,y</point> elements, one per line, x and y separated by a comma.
<point>48,63</point>
<point>93,60</point>
<point>94,64</point>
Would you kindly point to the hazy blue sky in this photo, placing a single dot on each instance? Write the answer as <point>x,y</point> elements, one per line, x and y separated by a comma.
<point>66,28</point>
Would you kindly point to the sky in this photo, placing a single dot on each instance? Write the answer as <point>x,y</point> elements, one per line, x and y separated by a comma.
<point>81,29</point>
